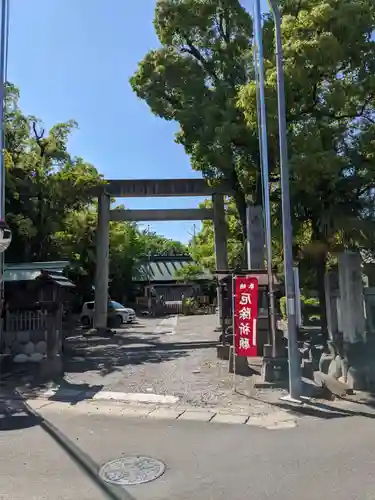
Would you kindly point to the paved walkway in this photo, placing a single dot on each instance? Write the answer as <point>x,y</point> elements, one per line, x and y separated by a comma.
<point>174,356</point>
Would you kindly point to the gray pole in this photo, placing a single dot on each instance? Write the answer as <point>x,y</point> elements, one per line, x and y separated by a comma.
<point>3,50</point>
<point>149,296</point>
<point>248,210</point>
<point>102,263</point>
<point>4,29</point>
<point>295,386</point>
<point>265,171</point>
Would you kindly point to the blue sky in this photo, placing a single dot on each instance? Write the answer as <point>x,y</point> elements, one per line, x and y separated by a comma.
<point>73,59</point>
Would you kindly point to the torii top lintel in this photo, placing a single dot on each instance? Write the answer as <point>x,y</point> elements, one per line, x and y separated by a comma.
<point>140,188</point>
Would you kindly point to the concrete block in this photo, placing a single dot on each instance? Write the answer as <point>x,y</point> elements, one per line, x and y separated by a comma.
<point>267,350</point>
<point>165,413</point>
<point>223,351</point>
<point>275,420</point>
<point>239,364</point>
<point>134,411</point>
<point>274,370</point>
<point>201,416</point>
<point>228,418</point>
<point>307,368</point>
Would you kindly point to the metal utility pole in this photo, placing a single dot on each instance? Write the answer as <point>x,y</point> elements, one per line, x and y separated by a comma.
<point>3,70</point>
<point>295,385</point>
<point>149,295</point>
<point>4,32</point>
<point>262,128</point>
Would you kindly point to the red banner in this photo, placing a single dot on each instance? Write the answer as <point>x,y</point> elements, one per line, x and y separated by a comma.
<point>245,315</point>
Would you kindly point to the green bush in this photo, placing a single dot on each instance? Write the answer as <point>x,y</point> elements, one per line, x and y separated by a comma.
<point>307,302</point>
<point>283,307</point>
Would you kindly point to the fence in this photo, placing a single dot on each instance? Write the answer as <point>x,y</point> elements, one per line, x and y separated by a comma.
<point>26,320</point>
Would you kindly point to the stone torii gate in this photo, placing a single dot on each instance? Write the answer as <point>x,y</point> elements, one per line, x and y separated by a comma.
<point>153,189</point>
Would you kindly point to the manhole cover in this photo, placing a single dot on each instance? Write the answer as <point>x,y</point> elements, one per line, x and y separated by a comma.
<point>132,470</point>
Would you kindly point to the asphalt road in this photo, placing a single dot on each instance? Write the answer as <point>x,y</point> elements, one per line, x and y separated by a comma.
<point>319,458</point>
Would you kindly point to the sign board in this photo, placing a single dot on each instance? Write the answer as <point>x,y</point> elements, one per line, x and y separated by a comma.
<point>245,315</point>
<point>255,231</point>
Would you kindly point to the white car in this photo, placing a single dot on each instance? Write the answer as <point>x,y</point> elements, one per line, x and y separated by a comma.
<point>115,310</point>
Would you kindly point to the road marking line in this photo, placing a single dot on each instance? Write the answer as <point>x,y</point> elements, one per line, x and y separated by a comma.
<point>132,397</point>
<point>167,326</point>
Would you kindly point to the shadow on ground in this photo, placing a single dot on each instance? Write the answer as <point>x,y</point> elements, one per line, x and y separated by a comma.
<point>324,411</point>
<point>111,353</point>
<point>351,406</point>
<point>14,414</point>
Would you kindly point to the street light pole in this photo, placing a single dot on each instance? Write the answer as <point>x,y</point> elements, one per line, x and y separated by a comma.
<point>262,130</point>
<point>295,386</point>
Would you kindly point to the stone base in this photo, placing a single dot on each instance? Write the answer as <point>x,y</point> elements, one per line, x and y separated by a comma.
<point>50,369</point>
<point>274,370</point>
<point>308,368</point>
<point>330,385</point>
<point>355,368</point>
<point>223,351</point>
<point>239,364</point>
<point>6,364</point>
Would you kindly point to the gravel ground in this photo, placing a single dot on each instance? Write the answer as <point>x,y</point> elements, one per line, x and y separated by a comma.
<point>154,356</point>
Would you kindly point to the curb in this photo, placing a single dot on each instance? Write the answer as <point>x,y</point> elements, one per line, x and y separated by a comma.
<point>273,421</point>
<point>144,406</point>
<point>75,395</point>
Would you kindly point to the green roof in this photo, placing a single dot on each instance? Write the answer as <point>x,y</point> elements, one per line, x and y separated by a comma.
<point>28,271</point>
<point>164,269</point>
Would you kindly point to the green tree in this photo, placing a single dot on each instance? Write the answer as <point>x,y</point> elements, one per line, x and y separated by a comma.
<point>154,245</point>
<point>50,208</point>
<point>202,247</point>
<point>43,183</point>
<point>128,246</point>
<point>189,272</point>
<point>329,65</point>
<point>193,79</point>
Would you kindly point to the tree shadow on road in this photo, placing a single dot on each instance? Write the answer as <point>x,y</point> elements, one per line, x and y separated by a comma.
<point>14,414</point>
<point>105,355</point>
<point>322,410</point>
<point>109,359</point>
<point>318,408</point>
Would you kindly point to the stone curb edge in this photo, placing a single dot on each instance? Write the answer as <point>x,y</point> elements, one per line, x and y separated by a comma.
<point>148,407</point>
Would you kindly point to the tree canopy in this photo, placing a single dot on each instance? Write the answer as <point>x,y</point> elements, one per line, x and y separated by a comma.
<point>193,79</point>
<point>202,77</point>
<point>49,207</point>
